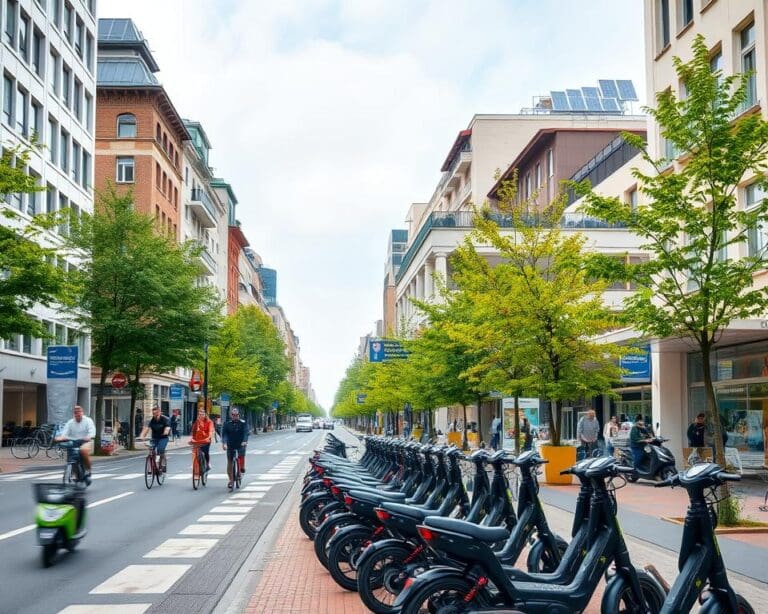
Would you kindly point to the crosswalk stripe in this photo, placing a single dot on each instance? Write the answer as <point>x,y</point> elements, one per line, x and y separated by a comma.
<point>129,476</point>
<point>101,476</point>
<point>182,548</point>
<point>229,501</point>
<point>150,579</point>
<point>221,518</point>
<point>188,476</point>
<point>248,495</point>
<point>97,608</point>
<point>26,476</point>
<point>232,509</point>
<point>206,529</point>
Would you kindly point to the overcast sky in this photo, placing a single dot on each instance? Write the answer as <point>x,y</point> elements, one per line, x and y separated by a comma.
<point>329,117</point>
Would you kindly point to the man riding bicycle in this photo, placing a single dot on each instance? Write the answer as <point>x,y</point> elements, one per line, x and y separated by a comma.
<point>234,436</point>
<point>160,426</point>
<point>82,428</point>
<point>202,434</point>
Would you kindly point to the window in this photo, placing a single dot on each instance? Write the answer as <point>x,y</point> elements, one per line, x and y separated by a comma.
<point>48,338</point>
<point>126,126</point>
<point>89,52</point>
<point>33,198</point>
<point>53,71</point>
<point>22,112</point>
<point>55,11</point>
<point>66,75</point>
<point>38,45</point>
<point>77,102</point>
<point>527,185</point>
<point>79,37</point>
<point>86,175</point>
<point>60,334</point>
<point>89,112</point>
<point>538,175</point>
<point>748,63</point>
<point>53,133</point>
<point>12,343</point>
<point>64,151</point>
<point>125,169</point>
<point>158,175</point>
<point>186,175</point>
<point>716,61</point>
<point>76,160</point>
<point>158,133</point>
<point>24,37</point>
<point>7,100</point>
<point>632,199</point>
<point>685,12</point>
<point>9,35</point>
<point>662,24</point>
<point>50,199</point>
<point>67,22</point>
<point>757,237</point>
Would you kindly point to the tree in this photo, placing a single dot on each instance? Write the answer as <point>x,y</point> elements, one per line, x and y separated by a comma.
<point>28,275</point>
<point>541,296</point>
<point>137,296</point>
<point>693,286</point>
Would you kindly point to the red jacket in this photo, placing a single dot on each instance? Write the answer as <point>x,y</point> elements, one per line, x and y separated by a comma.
<point>202,430</point>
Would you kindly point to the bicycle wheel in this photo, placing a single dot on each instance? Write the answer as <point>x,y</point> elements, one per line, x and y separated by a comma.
<point>149,472</point>
<point>67,477</point>
<point>33,448</point>
<point>160,475</point>
<point>54,451</point>
<point>201,463</point>
<point>196,477</point>
<point>19,447</point>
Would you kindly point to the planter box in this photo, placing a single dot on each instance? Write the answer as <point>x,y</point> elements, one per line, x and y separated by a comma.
<point>454,438</point>
<point>559,457</point>
<point>473,439</point>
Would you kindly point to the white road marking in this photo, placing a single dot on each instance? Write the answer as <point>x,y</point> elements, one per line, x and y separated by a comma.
<point>188,476</point>
<point>182,548</point>
<point>247,495</point>
<point>101,476</point>
<point>275,452</point>
<point>206,529</point>
<point>221,518</point>
<point>236,502</point>
<point>109,499</point>
<point>231,509</point>
<point>24,476</point>
<point>261,488</point>
<point>94,608</point>
<point>129,476</point>
<point>142,579</point>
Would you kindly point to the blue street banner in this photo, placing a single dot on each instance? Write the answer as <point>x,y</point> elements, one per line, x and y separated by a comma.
<point>225,399</point>
<point>637,366</point>
<point>61,385</point>
<point>176,392</point>
<point>361,398</point>
<point>382,350</point>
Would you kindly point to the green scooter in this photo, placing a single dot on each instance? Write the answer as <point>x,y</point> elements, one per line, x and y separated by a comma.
<point>60,518</point>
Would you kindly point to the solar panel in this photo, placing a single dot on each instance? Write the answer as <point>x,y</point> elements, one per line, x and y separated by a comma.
<point>559,101</point>
<point>593,103</point>
<point>626,90</point>
<point>611,105</point>
<point>591,92</point>
<point>608,87</point>
<point>576,100</point>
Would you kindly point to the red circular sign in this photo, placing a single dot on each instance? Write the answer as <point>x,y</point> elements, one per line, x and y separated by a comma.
<point>119,381</point>
<point>196,381</point>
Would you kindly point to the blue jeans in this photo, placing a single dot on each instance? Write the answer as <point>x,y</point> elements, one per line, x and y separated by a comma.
<point>637,456</point>
<point>609,449</point>
<point>160,444</point>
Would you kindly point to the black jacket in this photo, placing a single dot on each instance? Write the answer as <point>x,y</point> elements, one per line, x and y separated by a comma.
<point>234,433</point>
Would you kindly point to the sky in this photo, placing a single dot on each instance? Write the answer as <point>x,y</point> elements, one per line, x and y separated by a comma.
<point>330,117</point>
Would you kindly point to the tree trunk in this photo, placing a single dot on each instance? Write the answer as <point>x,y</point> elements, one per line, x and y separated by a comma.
<point>479,421</point>
<point>465,443</point>
<point>554,424</point>
<point>516,424</point>
<point>98,411</point>
<point>134,393</point>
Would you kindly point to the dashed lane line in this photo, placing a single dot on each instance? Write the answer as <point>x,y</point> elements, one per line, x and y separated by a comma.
<point>221,518</point>
<point>206,529</point>
<point>182,548</point>
<point>141,579</point>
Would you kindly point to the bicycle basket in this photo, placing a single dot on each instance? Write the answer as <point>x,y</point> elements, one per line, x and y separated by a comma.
<point>56,493</point>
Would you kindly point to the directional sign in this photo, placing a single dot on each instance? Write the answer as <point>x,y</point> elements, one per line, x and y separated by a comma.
<point>381,350</point>
<point>361,398</point>
<point>119,381</point>
<point>196,381</point>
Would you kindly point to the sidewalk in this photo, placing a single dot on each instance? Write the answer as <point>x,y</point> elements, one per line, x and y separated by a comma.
<point>11,464</point>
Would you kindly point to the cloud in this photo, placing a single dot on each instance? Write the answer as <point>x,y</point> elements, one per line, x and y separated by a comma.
<point>330,117</point>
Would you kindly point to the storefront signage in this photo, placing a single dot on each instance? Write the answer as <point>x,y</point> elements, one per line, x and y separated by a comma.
<point>381,350</point>
<point>637,366</point>
<point>176,392</point>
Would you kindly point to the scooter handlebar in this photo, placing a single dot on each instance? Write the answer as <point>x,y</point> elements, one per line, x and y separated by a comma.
<point>624,469</point>
<point>728,477</point>
<point>670,481</point>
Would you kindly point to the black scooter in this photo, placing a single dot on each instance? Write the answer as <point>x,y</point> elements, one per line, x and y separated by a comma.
<point>482,583</point>
<point>702,570</point>
<point>657,464</point>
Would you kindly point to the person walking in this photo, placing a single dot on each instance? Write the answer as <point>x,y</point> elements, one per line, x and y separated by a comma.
<point>587,432</point>
<point>525,430</point>
<point>495,432</point>
<point>610,430</point>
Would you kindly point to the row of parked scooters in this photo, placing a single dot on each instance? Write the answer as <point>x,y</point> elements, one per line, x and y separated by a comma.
<point>399,527</point>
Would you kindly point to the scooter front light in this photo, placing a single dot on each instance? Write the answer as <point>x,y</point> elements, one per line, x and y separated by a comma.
<point>52,514</point>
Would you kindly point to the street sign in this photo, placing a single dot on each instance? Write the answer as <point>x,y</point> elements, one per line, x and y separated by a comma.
<point>381,350</point>
<point>361,398</point>
<point>176,392</point>
<point>196,381</point>
<point>119,381</point>
<point>225,399</point>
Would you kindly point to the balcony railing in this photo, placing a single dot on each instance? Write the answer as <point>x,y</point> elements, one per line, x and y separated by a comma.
<point>209,261</point>
<point>466,219</point>
<point>201,196</point>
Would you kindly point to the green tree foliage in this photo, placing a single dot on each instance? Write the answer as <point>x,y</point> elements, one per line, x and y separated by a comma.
<point>28,275</point>
<point>137,295</point>
<point>694,286</point>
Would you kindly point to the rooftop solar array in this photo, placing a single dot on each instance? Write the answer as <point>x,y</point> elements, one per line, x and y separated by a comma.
<point>608,98</point>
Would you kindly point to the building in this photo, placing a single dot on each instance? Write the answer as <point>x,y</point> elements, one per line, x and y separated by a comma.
<point>269,285</point>
<point>398,240</point>
<point>49,89</point>
<point>735,31</point>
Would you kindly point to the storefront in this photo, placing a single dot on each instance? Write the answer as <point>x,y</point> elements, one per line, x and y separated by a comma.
<point>741,386</point>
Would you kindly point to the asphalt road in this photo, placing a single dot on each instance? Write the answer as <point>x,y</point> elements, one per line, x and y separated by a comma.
<point>127,557</point>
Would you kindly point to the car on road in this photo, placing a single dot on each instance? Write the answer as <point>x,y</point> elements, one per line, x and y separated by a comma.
<point>328,424</point>
<point>304,423</point>
<point>316,423</point>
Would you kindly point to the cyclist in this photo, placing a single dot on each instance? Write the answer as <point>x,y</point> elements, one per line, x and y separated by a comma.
<point>80,427</point>
<point>202,433</point>
<point>234,435</point>
<point>160,426</point>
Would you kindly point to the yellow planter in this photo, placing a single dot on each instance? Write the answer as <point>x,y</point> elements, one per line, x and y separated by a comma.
<point>473,439</point>
<point>417,433</point>
<point>455,438</point>
<point>559,457</point>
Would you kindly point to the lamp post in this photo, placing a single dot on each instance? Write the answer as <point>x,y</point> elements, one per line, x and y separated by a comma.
<point>205,378</point>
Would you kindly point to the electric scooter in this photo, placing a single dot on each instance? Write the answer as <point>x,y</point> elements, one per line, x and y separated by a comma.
<point>658,463</point>
<point>702,570</point>
<point>60,518</point>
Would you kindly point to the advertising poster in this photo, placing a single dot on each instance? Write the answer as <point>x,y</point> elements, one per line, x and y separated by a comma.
<point>528,408</point>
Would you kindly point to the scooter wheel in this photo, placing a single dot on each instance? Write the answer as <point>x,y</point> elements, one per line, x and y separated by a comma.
<point>444,594</point>
<point>713,606</point>
<point>618,595</point>
<point>71,545</point>
<point>49,552</point>
<point>632,477</point>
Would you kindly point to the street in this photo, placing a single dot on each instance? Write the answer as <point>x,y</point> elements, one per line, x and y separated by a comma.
<point>167,549</point>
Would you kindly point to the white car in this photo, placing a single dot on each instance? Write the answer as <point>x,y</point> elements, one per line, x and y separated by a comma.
<point>304,423</point>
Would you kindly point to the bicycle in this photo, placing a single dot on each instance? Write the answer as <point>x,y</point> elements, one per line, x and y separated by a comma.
<point>152,470</point>
<point>74,470</point>
<point>237,477</point>
<point>198,461</point>
<point>24,447</point>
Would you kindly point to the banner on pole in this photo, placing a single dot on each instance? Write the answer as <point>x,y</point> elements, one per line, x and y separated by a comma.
<point>61,384</point>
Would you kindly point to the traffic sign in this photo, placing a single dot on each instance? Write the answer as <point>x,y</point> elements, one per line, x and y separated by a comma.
<point>196,381</point>
<point>119,381</point>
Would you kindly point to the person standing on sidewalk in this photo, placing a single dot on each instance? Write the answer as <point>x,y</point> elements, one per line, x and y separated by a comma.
<point>495,432</point>
<point>587,432</point>
<point>234,436</point>
<point>610,431</point>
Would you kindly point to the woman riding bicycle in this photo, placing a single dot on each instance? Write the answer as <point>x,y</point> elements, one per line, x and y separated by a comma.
<point>202,434</point>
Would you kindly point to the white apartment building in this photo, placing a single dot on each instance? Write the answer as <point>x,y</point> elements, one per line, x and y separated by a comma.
<point>48,58</point>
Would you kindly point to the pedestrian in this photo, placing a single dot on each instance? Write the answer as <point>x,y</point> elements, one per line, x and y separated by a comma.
<point>610,431</point>
<point>495,432</point>
<point>138,422</point>
<point>587,432</point>
<point>525,429</point>
<point>175,424</point>
<point>638,437</point>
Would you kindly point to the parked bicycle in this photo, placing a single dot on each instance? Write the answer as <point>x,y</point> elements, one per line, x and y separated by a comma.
<point>199,467</point>
<point>153,472</point>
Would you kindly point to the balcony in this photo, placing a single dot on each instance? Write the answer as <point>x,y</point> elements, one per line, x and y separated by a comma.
<point>208,262</point>
<point>465,220</point>
<point>203,208</point>
<point>465,193</point>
